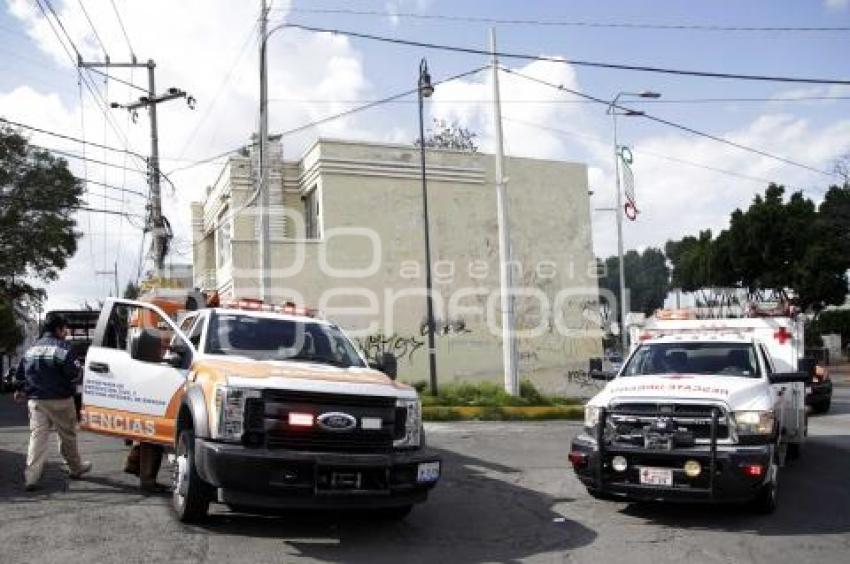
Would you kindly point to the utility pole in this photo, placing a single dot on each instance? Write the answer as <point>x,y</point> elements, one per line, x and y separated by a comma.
<point>509,346</point>
<point>262,177</point>
<point>114,274</point>
<point>158,226</point>
<point>615,110</point>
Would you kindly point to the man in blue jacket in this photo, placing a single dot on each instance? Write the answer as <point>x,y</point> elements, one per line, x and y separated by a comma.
<point>47,376</point>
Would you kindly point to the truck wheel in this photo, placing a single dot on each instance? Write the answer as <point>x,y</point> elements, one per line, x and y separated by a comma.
<point>822,406</point>
<point>191,496</point>
<point>765,500</point>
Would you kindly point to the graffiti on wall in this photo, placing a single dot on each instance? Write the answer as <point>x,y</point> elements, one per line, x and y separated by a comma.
<point>400,347</point>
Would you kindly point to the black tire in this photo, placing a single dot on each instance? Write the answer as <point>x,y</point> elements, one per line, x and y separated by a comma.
<point>765,501</point>
<point>822,406</point>
<point>192,503</point>
<point>795,451</point>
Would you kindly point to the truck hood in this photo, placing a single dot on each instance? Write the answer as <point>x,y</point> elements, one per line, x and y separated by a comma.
<point>307,376</point>
<point>735,391</point>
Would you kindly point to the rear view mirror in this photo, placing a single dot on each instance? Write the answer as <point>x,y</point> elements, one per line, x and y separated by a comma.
<point>790,377</point>
<point>603,375</point>
<point>807,364</point>
<point>387,364</point>
<point>597,373</point>
<point>177,355</point>
<point>146,345</point>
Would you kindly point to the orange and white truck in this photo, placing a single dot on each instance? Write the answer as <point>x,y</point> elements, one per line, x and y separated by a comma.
<point>264,407</point>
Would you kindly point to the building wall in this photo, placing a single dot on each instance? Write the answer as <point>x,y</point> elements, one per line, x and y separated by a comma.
<point>378,187</point>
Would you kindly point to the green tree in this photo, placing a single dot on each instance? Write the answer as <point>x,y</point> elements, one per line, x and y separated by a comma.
<point>131,291</point>
<point>791,249</point>
<point>38,195</point>
<point>445,135</point>
<point>647,280</point>
<point>10,332</point>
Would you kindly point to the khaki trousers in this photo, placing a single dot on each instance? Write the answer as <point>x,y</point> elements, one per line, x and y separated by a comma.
<point>62,414</point>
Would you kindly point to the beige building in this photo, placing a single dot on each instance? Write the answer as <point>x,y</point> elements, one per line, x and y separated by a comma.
<point>347,237</point>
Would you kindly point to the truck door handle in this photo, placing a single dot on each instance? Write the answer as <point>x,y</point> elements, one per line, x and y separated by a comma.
<point>101,367</point>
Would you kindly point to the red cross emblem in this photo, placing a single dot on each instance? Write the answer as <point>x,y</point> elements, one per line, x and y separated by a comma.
<point>782,335</point>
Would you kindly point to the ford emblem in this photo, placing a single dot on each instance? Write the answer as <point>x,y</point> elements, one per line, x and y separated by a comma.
<point>336,421</point>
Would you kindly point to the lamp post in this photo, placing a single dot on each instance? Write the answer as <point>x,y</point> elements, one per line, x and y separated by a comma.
<point>425,90</point>
<point>613,112</point>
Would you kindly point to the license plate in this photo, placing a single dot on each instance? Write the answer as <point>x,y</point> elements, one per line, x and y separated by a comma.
<point>428,472</point>
<point>656,476</point>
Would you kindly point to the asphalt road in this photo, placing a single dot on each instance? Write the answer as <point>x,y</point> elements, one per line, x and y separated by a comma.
<point>507,495</point>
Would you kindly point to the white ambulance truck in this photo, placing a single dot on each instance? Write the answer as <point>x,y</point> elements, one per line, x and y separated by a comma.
<point>702,410</point>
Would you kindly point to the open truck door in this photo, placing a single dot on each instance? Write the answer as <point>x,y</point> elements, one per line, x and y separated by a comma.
<point>138,339</point>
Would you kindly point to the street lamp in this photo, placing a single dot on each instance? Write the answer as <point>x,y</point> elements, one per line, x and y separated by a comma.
<point>614,110</point>
<point>425,90</point>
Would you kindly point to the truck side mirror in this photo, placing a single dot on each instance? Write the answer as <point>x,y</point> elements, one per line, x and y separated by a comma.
<point>807,364</point>
<point>595,370</point>
<point>387,364</point>
<point>177,355</point>
<point>790,377</point>
<point>146,345</point>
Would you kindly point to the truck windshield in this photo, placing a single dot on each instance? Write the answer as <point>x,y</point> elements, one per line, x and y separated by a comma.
<point>721,359</point>
<point>263,338</point>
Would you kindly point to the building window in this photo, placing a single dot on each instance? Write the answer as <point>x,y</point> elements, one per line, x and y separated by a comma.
<point>222,239</point>
<point>311,214</point>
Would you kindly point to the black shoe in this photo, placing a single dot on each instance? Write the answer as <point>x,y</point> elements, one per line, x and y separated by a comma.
<point>32,487</point>
<point>154,488</point>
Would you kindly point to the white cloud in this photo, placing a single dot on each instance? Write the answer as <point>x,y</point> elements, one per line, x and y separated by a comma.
<point>194,44</point>
<point>675,198</point>
<point>837,4</point>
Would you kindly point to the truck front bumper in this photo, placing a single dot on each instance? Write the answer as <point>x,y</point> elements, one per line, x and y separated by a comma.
<point>278,479</point>
<point>730,481</point>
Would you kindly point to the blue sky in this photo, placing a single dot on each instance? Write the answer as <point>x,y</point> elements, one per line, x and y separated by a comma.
<point>197,44</point>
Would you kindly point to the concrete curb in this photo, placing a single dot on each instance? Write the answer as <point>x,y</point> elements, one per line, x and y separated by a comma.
<point>505,413</point>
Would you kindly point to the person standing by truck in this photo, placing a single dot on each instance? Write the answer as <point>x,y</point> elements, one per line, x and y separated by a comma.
<point>47,376</point>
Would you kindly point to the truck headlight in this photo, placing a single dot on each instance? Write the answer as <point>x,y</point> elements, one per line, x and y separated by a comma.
<point>754,422</point>
<point>229,422</point>
<point>412,410</point>
<point>591,416</point>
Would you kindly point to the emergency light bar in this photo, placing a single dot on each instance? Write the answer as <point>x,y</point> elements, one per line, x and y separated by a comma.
<point>251,304</point>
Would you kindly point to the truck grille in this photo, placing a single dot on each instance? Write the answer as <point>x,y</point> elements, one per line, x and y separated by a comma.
<point>630,419</point>
<point>277,433</point>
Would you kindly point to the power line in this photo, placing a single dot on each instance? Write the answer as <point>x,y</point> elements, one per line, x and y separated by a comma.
<point>71,138</point>
<point>580,63</point>
<point>91,143</point>
<point>91,24</point>
<point>85,158</point>
<point>95,182</point>
<point>116,79</point>
<point>329,118</point>
<point>569,133</point>
<point>68,207</point>
<point>675,125</point>
<point>541,101</point>
<point>219,90</point>
<point>564,23</point>
<point>74,60</point>
<point>123,30</point>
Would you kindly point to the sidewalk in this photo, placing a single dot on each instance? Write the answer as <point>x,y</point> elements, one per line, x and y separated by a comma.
<point>840,374</point>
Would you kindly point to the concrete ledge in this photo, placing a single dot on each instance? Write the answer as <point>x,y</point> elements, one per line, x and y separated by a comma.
<point>506,413</point>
